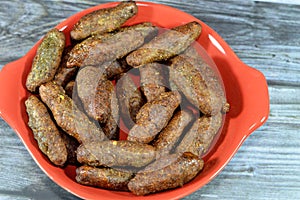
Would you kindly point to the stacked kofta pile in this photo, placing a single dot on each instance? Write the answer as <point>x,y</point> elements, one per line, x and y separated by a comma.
<point>80,93</point>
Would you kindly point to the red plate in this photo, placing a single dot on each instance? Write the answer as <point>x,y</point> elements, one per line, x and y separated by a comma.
<point>246,91</point>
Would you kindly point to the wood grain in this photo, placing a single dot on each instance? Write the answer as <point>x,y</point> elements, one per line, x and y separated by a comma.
<point>264,34</point>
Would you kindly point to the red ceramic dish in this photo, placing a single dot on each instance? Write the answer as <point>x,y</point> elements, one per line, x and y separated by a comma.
<point>246,91</point>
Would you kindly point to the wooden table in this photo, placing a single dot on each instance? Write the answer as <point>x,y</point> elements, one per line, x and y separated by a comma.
<point>265,34</point>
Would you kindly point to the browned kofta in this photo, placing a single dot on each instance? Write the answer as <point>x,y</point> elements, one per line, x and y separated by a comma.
<point>199,138</point>
<point>171,134</point>
<point>166,45</point>
<point>46,60</point>
<point>153,80</point>
<point>108,47</point>
<point>94,50</point>
<point>153,117</point>
<point>107,178</point>
<point>112,69</point>
<point>65,74</point>
<point>68,116</point>
<point>146,29</point>
<point>130,100</point>
<point>99,99</point>
<point>47,135</point>
<point>96,93</point>
<point>198,82</point>
<point>112,153</point>
<point>167,172</point>
<point>104,20</point>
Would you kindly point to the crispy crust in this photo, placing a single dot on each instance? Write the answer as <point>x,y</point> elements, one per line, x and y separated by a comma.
<point>68,116</point>
<point>103,20</point>
<point>95,92</point>
<point>166,45</point>
<point>165,173</point>
<point>153,117</point>
<point>107,178</point>
<point>116,153</point>
<point>99,99</point>
<point>46,60</point>
<point>96,50</point>
<point>199,138</point>
<point>171,134</point>
<point>48,137</point>
<point>198,82</point>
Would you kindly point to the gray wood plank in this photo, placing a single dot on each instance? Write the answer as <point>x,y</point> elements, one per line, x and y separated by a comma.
<point>264,34</point>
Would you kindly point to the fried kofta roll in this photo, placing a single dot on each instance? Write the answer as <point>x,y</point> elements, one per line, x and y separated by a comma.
<point>96,93</point>
<point>94,51</point>
<point>112,153</point>
<point>166,45</point>
<point>68,116</point>
<point>170,171</point>
<point>114,68</point>
<point>107,178</point>
<point>47,135</point>
<point>146,29</point>
<point>171,134</point>
<point>103,20</point>
<point>198,82</point>
<point>153,117</point>
<point>111,46</point>
<point>153,80</point>
<point>130,100</point>
<point>46,60</point>
<point>199,138</point>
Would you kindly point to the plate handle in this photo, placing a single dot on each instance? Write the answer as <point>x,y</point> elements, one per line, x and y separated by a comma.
<point>257,99</point>
<point>12,90</point>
